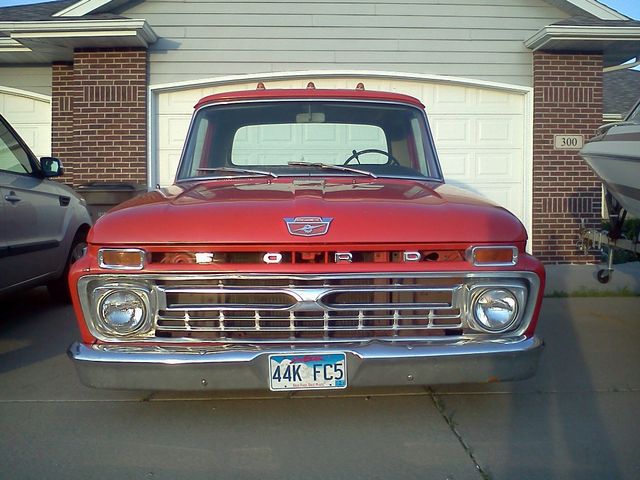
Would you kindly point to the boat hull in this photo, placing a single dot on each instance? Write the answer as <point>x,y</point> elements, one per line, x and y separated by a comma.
<point>615,159</point>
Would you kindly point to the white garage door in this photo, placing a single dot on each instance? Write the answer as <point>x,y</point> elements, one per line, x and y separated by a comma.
<point>30,115</point>
<point>479,132</point>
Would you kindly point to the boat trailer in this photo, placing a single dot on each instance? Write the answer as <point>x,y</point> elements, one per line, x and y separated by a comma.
<point>592,239</point>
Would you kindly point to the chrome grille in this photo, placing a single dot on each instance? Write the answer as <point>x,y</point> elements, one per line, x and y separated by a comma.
<point>297,309</point>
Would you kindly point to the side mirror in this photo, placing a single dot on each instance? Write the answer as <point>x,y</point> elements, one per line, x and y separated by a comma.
<point>51,167</point>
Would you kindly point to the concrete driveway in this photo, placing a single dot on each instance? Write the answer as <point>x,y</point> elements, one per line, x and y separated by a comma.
<point>578,418</point>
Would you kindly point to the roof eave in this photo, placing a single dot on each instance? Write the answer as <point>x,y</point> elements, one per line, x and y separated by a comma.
<point>617,44</point>
<point>25,39</point>
<point>137,28</point>
<point>553,36</point>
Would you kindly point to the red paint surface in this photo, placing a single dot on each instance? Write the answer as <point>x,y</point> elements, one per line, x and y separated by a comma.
<point>301,94</point>
<point>252,212</point>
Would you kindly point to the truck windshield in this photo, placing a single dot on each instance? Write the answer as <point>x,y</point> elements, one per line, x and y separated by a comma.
<point>293,138</point>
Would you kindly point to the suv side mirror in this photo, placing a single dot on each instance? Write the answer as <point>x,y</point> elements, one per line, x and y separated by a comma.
<point>51,167</point>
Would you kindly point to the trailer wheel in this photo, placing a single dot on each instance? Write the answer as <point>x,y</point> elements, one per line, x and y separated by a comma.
<point>604,276</point>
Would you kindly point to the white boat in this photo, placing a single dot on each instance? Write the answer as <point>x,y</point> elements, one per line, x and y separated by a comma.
<point>614,155</point>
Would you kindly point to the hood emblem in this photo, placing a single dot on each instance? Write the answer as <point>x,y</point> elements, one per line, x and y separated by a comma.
<point>308,226</point>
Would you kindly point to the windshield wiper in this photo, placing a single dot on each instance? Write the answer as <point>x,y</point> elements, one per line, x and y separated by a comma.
<point>342,168</point>
<point>238,170</point>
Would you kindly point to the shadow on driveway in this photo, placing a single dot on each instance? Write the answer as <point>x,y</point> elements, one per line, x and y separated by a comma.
<point>32,328</point>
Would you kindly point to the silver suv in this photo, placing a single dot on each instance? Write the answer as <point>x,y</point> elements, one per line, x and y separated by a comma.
<point>43,223</point>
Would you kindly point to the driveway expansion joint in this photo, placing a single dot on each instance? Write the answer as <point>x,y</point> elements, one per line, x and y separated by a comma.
<point>440,406</point>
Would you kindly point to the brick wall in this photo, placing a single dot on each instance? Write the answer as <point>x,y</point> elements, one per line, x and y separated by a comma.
<point>104,93</point>
<point>567,100</point>
<point>62,117</point>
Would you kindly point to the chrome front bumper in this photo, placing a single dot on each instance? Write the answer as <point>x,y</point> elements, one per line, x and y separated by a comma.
<point>245,367</point>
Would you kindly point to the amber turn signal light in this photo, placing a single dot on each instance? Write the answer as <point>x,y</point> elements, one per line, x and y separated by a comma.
<point>121,258</point>
<point>492,256</point>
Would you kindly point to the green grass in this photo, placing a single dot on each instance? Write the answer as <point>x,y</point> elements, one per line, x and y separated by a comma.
<point>584,292</point>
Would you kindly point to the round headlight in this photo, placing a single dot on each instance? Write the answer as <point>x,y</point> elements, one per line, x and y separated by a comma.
<point>122,311</point>
<point>495,310</point>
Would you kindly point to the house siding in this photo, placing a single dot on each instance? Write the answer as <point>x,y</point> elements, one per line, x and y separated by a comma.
<point>464,38</point>
<point>34,79</point>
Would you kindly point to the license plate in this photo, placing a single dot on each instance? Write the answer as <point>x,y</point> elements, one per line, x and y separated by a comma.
<point>307,371</point>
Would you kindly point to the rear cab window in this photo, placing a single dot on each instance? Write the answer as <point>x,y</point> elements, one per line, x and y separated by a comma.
<point>385,139</point>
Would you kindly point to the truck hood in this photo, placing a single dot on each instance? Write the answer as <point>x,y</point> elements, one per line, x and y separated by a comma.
<point>253,211</point>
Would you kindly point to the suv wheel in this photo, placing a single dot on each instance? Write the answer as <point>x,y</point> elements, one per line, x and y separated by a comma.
<point>59,288</point>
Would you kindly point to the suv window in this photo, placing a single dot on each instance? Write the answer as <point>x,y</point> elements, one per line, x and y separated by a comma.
<point>13,157</point>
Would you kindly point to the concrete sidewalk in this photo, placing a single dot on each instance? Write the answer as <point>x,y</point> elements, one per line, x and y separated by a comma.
<point>577,418</point>
<point>581,279</point>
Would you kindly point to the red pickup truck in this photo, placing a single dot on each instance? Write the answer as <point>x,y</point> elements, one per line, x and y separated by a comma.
<point>309,242</point>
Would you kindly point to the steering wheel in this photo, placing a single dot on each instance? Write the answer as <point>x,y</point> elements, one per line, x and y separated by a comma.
<point>355,154</point>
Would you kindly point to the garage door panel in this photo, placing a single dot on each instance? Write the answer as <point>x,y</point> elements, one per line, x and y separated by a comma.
<point>450,97</point>
<point>493,101</point>
<point>168,162</point>
<point>482,166</point>
<point>30,117</point>
<point>499,166</point>
<point>180,101</point>
<point>173,130</point>
<point>38,137</point>
<point>23,109</point>
<point>451,131</point>
<point>506,195</point>
<point>498,131</point>
<point>456,164</point>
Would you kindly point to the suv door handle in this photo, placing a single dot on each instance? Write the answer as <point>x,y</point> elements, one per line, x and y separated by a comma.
<point>12,197</point>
